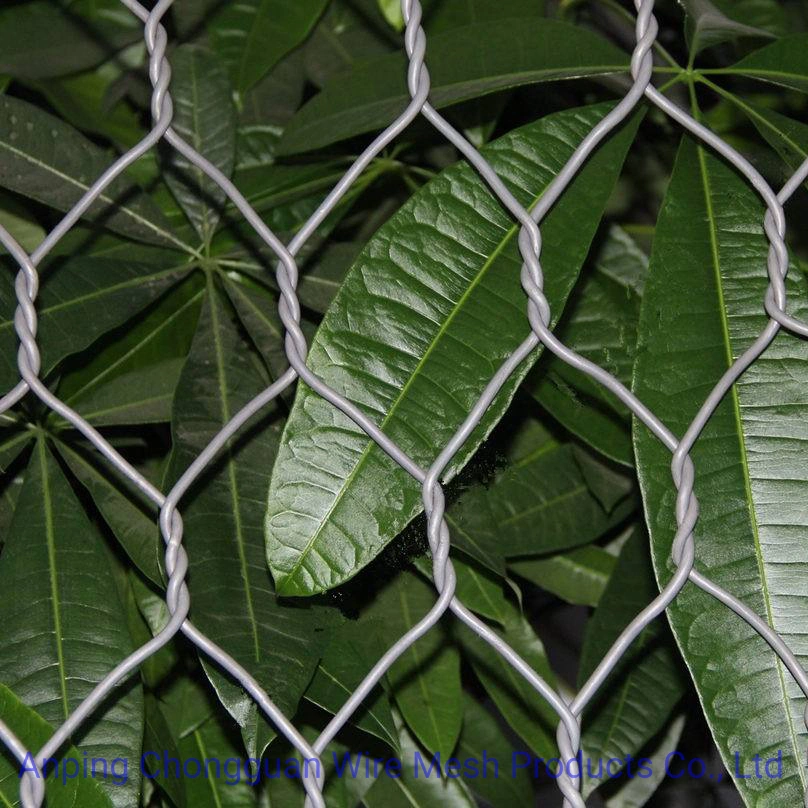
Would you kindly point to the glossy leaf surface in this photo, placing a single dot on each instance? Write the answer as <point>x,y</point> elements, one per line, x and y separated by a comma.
<point>710,256</point>
<point>231,589</point>
<point>70,629</point>
<point>46,159</point>
<point>407,339</point>
<point>78,302</point>
<point>636,701</point>
<point>205,118</point>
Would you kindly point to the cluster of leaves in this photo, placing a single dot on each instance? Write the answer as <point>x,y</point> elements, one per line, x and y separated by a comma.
<point>157,322</point>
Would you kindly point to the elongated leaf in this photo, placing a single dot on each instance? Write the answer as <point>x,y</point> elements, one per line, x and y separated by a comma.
<point>537,505</point>
<point>20,224</point>
<point>132,379</point>
<point>228,784</point>
<point>258,311</point>
<point>353,650</point>
<point>392,13</point>
<point>789,138</point>
<point>69,629</point>
<point>463,63</point>
<point>636,792</point>
<point>784,62</point>
<point>346,34</point>
<point>205,117</point>
<point>186,726</point>
<point>158,736</point>
<point>40,39</point>
<point>46,159</point>
<point>411,791</point>
<point>637,701</point>
<point>476,587</point>
<point>482,739</point>
<point>83,100</point>
<point>405,340</point>
<point>707,26</point>
<point>77,303</point>
<point>34,732</point>
<point>448,16</point>
<point>425,680</point>
<point>600,323</point>
<point>253,35</point>
<point>13,439</point>
<point>702,306</point>
<point>521,706</point>
<point>232,593</point>
<point>578,576</point>
<point>125,513</point>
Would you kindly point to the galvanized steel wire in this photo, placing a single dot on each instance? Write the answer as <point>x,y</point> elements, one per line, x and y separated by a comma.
<point>538,313</point>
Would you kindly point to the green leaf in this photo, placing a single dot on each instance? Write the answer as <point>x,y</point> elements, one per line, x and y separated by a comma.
<point>206,119</point>
<point>267,107</point>
<point>578,576</point>
<point>186,726</point>
<point>636,792</point>
<point>253,35</point>
<point>600,323</point>
<point>354,649</point>
<point>770,15</point>
<point>445,16</point>
<point>45,159</point>
<point>784,62</point>
<point>348,33</point>
<point>84,101</point>
<point>482,738</point>
<point>707,26</point>
<point>123,510</point>
<point>41,40</point>
<point>521,706</point>
<point>638,698</point>
<point>231,589</point>
<point>789,138</point>
<point>463,64</point>
<point>392,13</point>
<point>228,783</point>
<point>69,630</point>
<point>409,791</point>
<point>425,680</point>
<point>78,302</point>
<point>702,307</point>
<point>13,216</point>
<point>539,504</point>
<point>34,732</point>
<point>132,378</point>
<point>15,437</point>
<point>157,735</point>
<point>403,340</point>
<point>476,587</point>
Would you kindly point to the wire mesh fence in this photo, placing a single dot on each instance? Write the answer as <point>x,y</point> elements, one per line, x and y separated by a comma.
<point>569,711</point>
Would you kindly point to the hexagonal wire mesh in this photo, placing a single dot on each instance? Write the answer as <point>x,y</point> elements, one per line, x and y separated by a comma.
<point>170,521</point>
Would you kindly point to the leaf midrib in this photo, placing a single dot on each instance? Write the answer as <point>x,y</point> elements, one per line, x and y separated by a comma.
<point>213,781</point>
<point>231,471</point>
<point>349,692</point>
<point>409,623</point>
<point>290,577</point>
<point>101,197</point>
<point>107,290</point>
<point>747,481</point>
<point>161,326</point>
<point>50,539</point>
